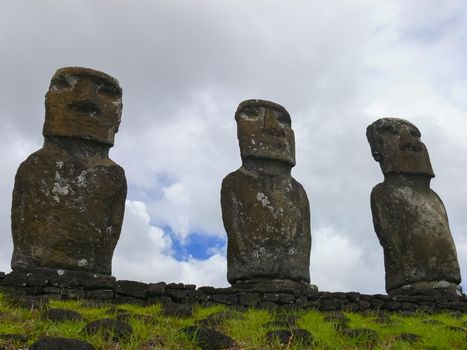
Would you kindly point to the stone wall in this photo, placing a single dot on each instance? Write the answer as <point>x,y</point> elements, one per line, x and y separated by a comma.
<point>59,284</point>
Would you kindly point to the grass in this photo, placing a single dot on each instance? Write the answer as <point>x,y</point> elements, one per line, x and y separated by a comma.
<point>152,330</point>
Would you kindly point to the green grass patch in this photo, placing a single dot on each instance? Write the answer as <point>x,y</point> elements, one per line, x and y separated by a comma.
<point>152,330</point>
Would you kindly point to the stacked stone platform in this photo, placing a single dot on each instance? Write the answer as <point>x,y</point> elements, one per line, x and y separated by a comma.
<point>43,284</point>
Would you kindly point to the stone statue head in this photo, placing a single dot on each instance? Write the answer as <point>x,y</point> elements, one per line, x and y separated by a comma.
<point>264,131</point>
<point>83,103</point>
<point>396,145</point>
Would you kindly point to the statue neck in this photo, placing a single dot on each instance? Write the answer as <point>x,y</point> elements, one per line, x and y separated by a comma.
<point>78,147</point>
<point>267,166</point>
<point>410,180</point>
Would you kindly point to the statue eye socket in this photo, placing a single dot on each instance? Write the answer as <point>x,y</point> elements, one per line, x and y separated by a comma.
<point>389,129</point>
<point>415,133</point>
<point>251,111</point>
<point>61,83</point>
<point>283,118</point>
<point>108,90</point>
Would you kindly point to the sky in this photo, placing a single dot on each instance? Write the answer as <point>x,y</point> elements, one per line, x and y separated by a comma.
<point>184,67</point>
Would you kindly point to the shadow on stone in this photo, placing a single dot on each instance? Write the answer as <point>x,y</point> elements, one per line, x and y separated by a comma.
<point>61,315</point>
<point>177,310</point>
<point>109,328</point>
<point>58,343</point>
<point>209,339</point>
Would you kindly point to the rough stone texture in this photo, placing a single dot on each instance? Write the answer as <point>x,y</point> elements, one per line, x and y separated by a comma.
<point>110,328</point>
<point>60,315</point>
<point>58,343</point>
<point>209,339</point>
<point>409,218</point>
<point>33,293</point>
<point>265,211</point>
<point>69,197</point>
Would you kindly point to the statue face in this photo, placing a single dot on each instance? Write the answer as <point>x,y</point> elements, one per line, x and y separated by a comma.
<point>83,103</point>
<point>264,131</point>
<point>396,145</point>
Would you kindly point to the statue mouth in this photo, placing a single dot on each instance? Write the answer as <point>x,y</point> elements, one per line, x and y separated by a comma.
<point>85,107</point>
<point>411,147</point>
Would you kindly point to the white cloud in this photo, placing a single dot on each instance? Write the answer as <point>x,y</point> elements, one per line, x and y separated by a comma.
<point>338,264</point>
<point>144,254</point>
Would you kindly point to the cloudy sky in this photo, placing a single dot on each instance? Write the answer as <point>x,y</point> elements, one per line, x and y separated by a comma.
<point>184,66</point>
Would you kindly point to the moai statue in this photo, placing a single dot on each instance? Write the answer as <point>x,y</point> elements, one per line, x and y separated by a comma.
<point>409,218</point>
<point>69,197</point>
<point>265,210</point>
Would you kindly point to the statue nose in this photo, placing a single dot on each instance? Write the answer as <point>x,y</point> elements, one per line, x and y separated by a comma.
<point>405,134</point>
<point>271,125</point>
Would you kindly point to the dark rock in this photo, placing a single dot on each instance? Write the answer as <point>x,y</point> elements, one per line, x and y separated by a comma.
<point>265,211</point>
<point>175,286</point>
<point>393,306</point>
<point>218,318</point>
<point>410,219</point>
<point>209,339</point>
<point>124,299</point>
<point>177,310</point>
<point>364,304</point>
<point>248,299</point>
<point>177,294</point>
<point>104,294</point>
<point>15,280</point>
<point>272,297</point>
<point>292,336</point>
<point>267,305</point>
<point>409,337</point>
<point>228,299</point>
<point>207,290</point>
<point>69,197</point>
<point>286,298</point>
<point>156,289</point>
<point>109,327</point>
<point>61,315</point>
<point>131,288</point>
<point>58,343</point>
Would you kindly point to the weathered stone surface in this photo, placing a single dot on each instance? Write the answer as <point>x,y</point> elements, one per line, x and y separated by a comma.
<point>265,211</point>
<point>68,198</point>
<point>132,288</point>
<point>60,315</point>
<point>409,218</point>
<point>110,328</point>
<point>156,289</point>
<point>177,310</point>
<point>58,343</point>
<point>209,339</point>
